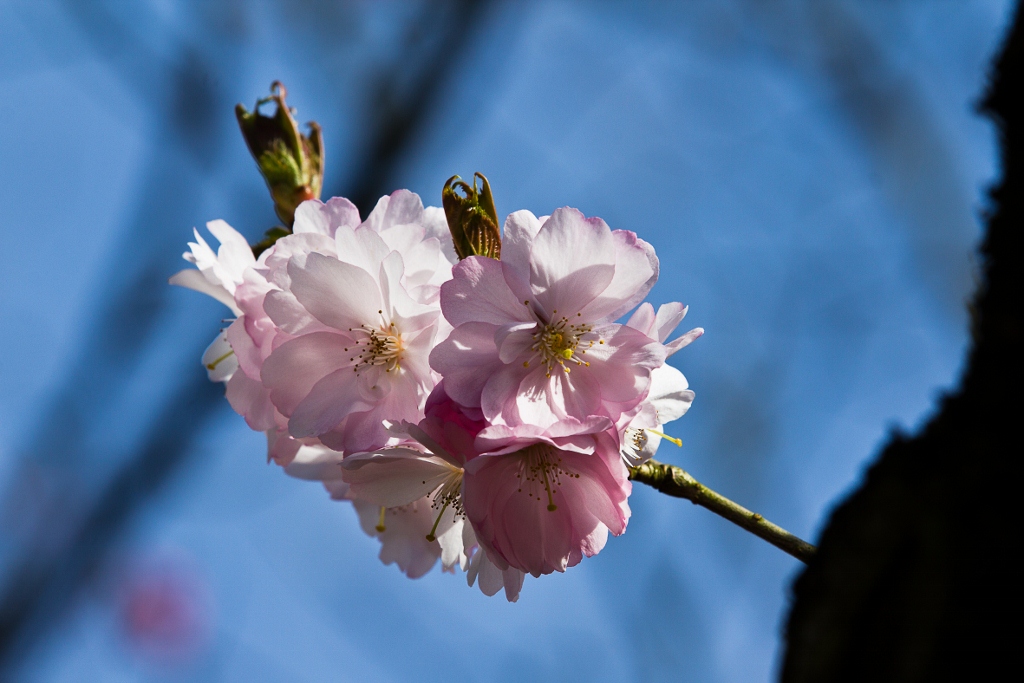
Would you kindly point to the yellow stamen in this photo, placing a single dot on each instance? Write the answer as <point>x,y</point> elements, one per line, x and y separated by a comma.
<point>431,537</point>
<point>217,361</point>
<point>561,341</point>
<point>380,347</point>
<point>380,523</point>
<point>542,464</point>
<point>678,442</point>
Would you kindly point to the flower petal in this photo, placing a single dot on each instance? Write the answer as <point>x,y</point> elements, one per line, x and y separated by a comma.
<point>668,318</point>
<point>491,579</point>
<point>636,271</point>
<point>327,403</point>
<point>394,476</point>
<point>337,294</point>
<point>669,394</point>
<point>360,247</point>
<point>521,227</point>
<point>191,278</point>
<point>315,463</point>
<point>219,359</point>
<point>572,260</point>
<point>467,359</point>
<point>478,292</point>
<point>291,371</point>
<point>325,218</point>
<point>251,400</point>
<point>514,340</point>
<point>683,340</point>
<point>234,254</point>
<point>643,320</point>
<point>449,536</point>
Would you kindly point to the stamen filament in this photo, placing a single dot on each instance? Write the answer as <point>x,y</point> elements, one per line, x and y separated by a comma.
<point>217,361</point>
<point>380,523</point>
<point>431,537</point>
<point>678,442</point>
<point>547,486</point>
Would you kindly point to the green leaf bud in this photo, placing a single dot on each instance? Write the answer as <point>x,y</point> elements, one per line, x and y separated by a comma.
<point>472,218</point>
<point>291,163</point>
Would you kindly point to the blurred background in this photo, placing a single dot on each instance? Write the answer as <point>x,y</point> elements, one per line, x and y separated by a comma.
<point>810,173</point>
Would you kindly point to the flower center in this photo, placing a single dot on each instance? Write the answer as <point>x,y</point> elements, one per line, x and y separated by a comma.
<point>560,342</point>
<point>541,466</point>
<point>637,438</point>
<point>380,346</point>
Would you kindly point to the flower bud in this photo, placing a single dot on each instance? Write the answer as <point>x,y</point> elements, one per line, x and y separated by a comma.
<point>472,218</point>
<point>291,163</point>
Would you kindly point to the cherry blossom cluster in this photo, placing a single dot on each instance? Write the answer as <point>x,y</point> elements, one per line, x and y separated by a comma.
<point>482,412</point>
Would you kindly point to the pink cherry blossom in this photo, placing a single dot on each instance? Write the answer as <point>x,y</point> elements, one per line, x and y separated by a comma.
<point>534,342</point>
<point>540,503</point>
<point>427,469</point>
<point>361,326</point>
<point>420,468</point>
<point>237,279</point>
<point>254,335</point>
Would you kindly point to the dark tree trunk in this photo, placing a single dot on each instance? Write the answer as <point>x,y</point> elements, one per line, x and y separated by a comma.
<point>914,578</point>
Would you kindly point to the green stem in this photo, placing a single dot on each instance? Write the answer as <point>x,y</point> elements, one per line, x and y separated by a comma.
<point>675,481</point>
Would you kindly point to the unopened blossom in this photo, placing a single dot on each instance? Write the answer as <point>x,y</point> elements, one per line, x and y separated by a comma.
<point>534,342</point>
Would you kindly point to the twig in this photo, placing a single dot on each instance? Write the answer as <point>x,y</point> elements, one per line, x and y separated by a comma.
<point>675,481</point>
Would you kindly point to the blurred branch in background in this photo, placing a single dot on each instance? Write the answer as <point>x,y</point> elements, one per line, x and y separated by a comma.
<point>917,171</point>
<point>64,536</point>
<point>406,94</point>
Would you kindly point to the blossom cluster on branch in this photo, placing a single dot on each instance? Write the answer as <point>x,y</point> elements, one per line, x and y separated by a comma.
<point>480,411</point>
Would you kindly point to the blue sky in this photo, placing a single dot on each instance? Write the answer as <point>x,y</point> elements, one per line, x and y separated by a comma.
<point>811,175</point>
